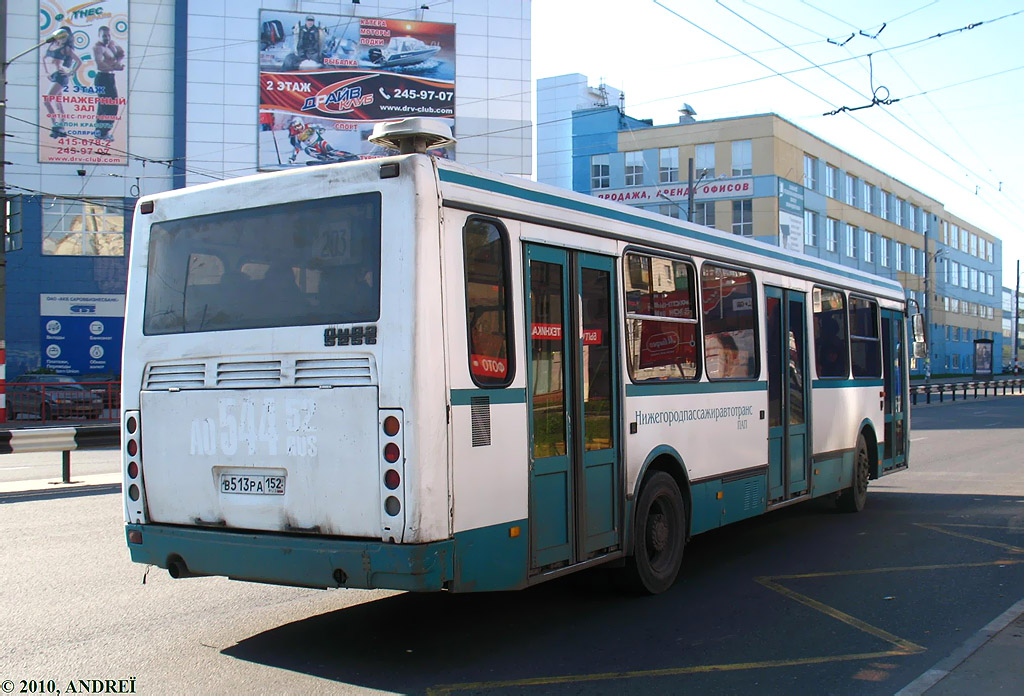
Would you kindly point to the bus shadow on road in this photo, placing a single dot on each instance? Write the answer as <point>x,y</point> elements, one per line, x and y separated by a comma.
<point>843,590</point>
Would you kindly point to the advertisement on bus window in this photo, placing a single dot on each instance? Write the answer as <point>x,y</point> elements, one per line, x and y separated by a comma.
<point>83,87</point>
<point>325,80</point>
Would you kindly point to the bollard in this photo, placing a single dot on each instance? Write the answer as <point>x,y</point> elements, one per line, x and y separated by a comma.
<point>942,398</point>
<point>65,466</point>
<point>975,391</point>
<point>928,394</point>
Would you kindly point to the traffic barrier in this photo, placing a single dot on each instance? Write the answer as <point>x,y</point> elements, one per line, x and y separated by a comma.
<point>63,440</point>
<point>1015,386</point>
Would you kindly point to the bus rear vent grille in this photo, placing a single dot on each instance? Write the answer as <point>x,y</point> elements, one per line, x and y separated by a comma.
<point>188,376</point>
<point>264,373</point>
<point>352,371</point>
<point>480,414</point>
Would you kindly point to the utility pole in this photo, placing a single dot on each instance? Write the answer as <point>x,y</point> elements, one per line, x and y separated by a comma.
<point>689,190</point>
<point>929,259</point>
<point>1015,333</point>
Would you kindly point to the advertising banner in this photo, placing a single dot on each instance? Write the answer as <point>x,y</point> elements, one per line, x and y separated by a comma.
<point>723,189</point>
<point>81,333</point>
<point>326,79</point>
<point>83,84</point>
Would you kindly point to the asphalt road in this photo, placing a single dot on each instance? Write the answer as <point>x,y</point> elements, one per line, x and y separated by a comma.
<point>802,600</point>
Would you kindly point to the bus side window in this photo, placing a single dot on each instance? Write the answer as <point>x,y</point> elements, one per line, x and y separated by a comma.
<point>661,321</point>
<point>831,354</point>
<point>730,326</point>
<point>865,347</point>
<point>485,245</point>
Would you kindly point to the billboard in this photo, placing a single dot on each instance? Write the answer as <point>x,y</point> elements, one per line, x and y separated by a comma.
<point>326,79</point>
<point>83,86</point>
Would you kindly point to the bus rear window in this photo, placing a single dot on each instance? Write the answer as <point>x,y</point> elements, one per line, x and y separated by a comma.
<point>486,250</point>
<point>297,264</point>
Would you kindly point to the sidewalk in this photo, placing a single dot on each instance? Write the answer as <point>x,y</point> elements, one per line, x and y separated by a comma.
<point>11,491</point>
<point>990,662</point>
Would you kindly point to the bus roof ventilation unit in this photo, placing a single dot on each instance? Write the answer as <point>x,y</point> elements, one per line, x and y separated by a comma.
<point>413,135</point>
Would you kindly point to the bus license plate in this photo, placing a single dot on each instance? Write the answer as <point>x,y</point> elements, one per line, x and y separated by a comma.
<point>250,484</point>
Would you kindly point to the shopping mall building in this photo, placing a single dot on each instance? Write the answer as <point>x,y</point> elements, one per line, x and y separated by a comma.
<point>109,102</point>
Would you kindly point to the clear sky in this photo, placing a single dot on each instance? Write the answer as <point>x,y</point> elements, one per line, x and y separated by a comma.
<point>954,134</point>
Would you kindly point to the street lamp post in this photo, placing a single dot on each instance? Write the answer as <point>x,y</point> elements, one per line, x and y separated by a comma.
<point>933,258</point>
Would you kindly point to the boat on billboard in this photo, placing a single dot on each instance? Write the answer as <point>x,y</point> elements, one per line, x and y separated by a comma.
<point>325,80</point>
<point>83,88</point>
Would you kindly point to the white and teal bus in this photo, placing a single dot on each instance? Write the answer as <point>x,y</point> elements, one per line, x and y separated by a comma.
<point>406,373</point>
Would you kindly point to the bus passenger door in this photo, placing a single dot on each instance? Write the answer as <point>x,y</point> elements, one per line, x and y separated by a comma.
<point>788,394</point>
<point>575,480</point>
<point>894,374</point>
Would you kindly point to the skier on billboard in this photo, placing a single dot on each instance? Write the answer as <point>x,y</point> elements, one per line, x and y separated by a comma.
<point>310,139</point>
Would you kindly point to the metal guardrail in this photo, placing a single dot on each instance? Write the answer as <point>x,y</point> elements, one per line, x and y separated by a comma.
<point>1006,386</point>
<point>63,440</point>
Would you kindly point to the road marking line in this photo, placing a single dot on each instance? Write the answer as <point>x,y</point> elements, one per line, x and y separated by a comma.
<point>980,540</point>
<point>918,439</point>
<point>901,646</point>
<point>445,689</point>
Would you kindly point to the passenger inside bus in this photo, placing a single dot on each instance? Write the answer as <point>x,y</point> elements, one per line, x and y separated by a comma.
<point>830,347</point>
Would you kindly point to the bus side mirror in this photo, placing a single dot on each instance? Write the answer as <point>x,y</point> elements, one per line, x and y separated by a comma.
<point>917,327</point>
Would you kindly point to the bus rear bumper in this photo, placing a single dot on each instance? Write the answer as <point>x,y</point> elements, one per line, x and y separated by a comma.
<point>294,560</point>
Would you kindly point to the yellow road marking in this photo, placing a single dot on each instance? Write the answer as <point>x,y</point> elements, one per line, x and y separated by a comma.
<point>901,646</point>
<point>445,689</point>
<point>961,535</point>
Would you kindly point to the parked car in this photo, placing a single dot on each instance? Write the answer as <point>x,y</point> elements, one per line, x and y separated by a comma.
<point>50,397</point>
<point>107,385</point>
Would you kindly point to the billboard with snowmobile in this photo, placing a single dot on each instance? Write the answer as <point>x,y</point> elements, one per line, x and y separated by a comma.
<point>325,80</point>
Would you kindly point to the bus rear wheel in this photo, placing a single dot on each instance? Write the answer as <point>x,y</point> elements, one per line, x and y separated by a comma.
<point>853,498</point>
<point>659,536</point>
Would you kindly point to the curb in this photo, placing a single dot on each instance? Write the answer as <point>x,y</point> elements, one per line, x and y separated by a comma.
<point>943,668</point>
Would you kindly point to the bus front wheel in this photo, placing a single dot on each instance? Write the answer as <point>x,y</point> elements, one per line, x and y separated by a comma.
<point>853,498</point>
<point>659,536</point>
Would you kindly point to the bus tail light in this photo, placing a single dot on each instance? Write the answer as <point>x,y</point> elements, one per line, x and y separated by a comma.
<point>391,465</point>
<point>134,487</point>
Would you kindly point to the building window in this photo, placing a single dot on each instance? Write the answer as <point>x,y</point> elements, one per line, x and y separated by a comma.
<point>974,244</point>
<point>831,234</point>
<point>810,172</point>
<point>988,251</point>
<point>810,228</point>
<point>898,212</point>
<point>974,279</point>
<point>913,217</point>
<point>954,236</point>
<point>869,246</point>
<point>851,190</point>
<point>851,241</point>
<point>82,228</point>
<point>954,273</point>
<point>704,213</point>
<point>743,218</point>
<point>990,284</point>
<point>704,160</point>
<point>883,205</point>
<point>668,165</point>
<point>742,158</point>
<point>964,277</point>
<point>883,251</point>
<point>963,240</point>
<point>912,260</point>
<point>671,210</point>
<point>634,168</point>
<point>945,232</point>
<point>831,181</point>
<point>865,203</point>
<point>600,172</point>
<point>899,256</point>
